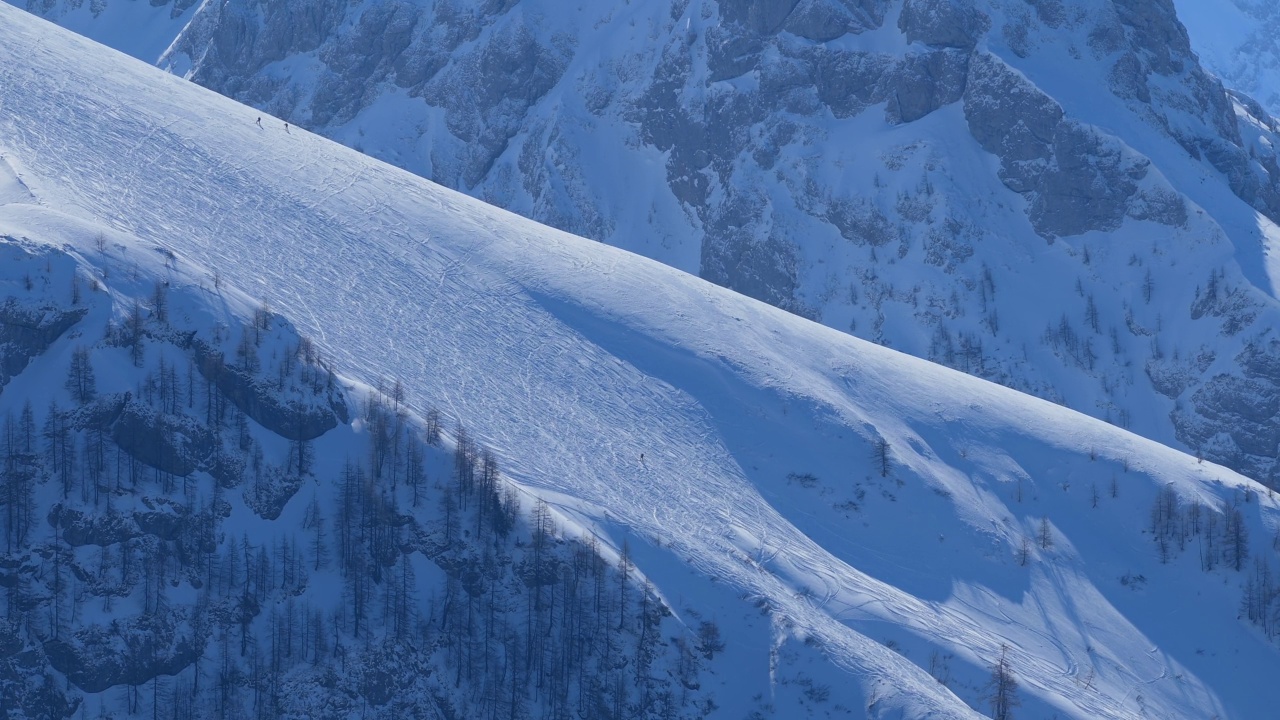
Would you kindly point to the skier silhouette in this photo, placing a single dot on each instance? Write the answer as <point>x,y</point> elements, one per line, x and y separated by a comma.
<point>259,122</point>
<point>286,127</point>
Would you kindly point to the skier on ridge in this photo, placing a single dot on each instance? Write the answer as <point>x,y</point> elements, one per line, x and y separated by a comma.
<point>259,123</point>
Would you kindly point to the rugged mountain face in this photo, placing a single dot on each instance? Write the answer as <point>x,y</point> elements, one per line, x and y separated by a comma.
<point>1236,40</point>
<point>1051,194</point>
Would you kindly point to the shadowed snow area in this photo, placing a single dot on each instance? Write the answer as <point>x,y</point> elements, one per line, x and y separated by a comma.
<point>758,430</point>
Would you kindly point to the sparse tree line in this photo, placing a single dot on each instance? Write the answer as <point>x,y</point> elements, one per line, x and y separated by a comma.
<point>105,536</point>
<point>1219,536</point>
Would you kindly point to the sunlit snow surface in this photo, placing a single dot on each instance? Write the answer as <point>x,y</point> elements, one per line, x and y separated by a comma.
<point>574,361</point>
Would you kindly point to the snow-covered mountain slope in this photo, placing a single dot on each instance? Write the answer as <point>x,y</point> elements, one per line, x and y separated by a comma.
<point>895,522</point>
<point>1236,40</point>
<point>196,503</point>
<point>1049,194</point>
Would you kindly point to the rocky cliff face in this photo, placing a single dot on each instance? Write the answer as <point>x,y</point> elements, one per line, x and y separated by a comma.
<point>1038,192</point>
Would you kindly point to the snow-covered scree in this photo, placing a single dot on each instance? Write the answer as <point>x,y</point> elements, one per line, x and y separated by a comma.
<point>877,526</point>
<point>1051,194</point>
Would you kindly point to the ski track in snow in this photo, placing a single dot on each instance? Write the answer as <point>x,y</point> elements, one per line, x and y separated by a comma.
<point>569,358</point>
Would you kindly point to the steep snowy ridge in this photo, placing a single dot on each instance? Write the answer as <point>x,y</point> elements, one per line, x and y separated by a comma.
<point>895,519</point>
<point>909,171</point>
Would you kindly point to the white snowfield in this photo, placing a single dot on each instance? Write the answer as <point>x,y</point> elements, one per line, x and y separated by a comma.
<point>643,401</point>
